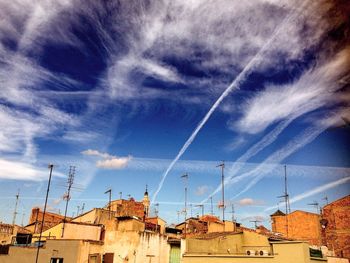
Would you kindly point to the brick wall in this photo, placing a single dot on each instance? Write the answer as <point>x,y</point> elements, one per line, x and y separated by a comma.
<point>301,226</point>
<point>336,233</point>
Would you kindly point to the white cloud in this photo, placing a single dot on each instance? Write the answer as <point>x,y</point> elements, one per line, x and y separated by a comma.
<point>109,161</point>
<point>201,190</point>
<point>96,153</point>
<point>14,170</point>
<point>249,202</point>
<point>113,163</point>
<point>314,89</point>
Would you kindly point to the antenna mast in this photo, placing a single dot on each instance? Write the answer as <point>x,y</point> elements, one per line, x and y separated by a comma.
<point>43,219</point>
<point>15,212</point>
<point>233,213</point>
<point>109,202</point>
<point>185,177</point>
<point>286,198</point>
<point>222,165</point>
<point>67,195</point>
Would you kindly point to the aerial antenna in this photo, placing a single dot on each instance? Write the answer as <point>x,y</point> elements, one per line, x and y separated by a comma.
<point>82,208</point>
<point>233,212</point>
<point>326,199</point>
<point>316,205</point>
<point>255,223</point>
<point>120,195</point>
<point>286,198</point>
<point>15,212</point>
<point>22,219</point>
<point>156,209</point>
<point>201,206</point>
<point>211,206</point>
<point>222,165</point>
<point>185,177</point>
<point>43,219</point>
<point>67,196</point>
<point>109,201</point>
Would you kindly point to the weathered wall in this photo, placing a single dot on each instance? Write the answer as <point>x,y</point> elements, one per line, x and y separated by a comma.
<point>301,226</point>
<point>51,219</point>
<point>336,234</point>
<point>216,245</point>
<point>74,231</point>
<point>67,249</point>
<point>135,246</point>
<point>284,252</point>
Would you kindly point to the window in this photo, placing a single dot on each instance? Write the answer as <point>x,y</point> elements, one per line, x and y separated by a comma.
<point>56,260</point>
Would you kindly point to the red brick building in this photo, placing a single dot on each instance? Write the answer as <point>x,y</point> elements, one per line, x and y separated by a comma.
<point>336,226</point>
<point>36,217</point>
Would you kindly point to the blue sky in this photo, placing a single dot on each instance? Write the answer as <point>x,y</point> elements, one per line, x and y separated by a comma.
<point>135,93</point>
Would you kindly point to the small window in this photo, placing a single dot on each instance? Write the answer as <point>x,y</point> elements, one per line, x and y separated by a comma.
<point>56,260</point>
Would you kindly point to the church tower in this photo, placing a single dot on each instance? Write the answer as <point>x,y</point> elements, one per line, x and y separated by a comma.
<point>146,202</point>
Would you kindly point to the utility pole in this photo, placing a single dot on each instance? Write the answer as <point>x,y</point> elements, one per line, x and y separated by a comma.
<point>109,202</point>
<point>67,195</point>
<point>185,177</point>
<point>43,219</point>
<point>222,165</point>
<point>211,206</point>
<point>15,212</point>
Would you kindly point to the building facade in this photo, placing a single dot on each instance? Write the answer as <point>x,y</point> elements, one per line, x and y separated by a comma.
<point>335,225</point>
<point>299,225</point>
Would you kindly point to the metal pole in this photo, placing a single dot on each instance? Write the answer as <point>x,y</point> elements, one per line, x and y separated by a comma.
<point>109,202</point>
<point>222,165</point>
<point>15,213</point>
<point>43,219</point>
<point>211,205</point>
<point>70,182</point>
<point>185,176</point>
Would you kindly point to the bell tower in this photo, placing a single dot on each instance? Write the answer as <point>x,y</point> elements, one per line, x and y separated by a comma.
<point>146,203</point>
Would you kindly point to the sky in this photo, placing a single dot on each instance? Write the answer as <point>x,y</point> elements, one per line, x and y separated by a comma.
<point>134,93</point>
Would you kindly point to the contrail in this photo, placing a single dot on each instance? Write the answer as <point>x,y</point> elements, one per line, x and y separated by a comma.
<point>259,146</point>
<point>235,84</point>
<point>314,191</point>
<point>304,138</point>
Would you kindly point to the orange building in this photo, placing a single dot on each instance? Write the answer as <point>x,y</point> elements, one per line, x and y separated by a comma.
<point>336,226</point>
<point>298,225</point>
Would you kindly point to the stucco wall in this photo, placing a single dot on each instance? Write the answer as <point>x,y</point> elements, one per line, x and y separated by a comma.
<point>74,231</point>
<point>137,247</point>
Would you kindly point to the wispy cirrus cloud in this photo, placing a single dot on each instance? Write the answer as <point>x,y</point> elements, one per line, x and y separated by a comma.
<point>16,170</point>
<point>314,89</point>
